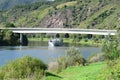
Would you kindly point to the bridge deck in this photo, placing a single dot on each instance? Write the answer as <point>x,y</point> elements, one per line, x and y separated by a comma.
<point>62,30</point>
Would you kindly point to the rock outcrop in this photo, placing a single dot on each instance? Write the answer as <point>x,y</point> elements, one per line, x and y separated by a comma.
<point>57,20</point>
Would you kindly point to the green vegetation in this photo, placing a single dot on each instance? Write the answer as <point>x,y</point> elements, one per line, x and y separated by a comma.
<point>82,42</point>
<point>70,67</point>
<point>72,3</point>
<point>70,41</point>
<point>8,25</point>
<point>6,4</point>
<point>35,69</point>
<point>107,70</point>
<point>72,58</point>
<point>98,14</point>
<point>8,38</point>
<point>111,71</point>
<point>23,68</point>
<point>89,72</point>
<point>78,39</point>
<point>101,14</point>
<point>112,55</point>
<point>111,47</point>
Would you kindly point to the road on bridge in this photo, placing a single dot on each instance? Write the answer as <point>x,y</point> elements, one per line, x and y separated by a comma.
<point>62,30</point>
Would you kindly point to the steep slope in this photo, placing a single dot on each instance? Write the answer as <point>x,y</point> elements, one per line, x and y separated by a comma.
<point>7,4</point>
<point>102,14</point>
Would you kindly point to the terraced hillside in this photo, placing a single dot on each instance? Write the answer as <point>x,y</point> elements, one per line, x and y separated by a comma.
<point>102,14</point>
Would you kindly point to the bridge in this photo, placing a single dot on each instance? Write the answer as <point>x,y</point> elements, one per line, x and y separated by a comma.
<point>61,30</point>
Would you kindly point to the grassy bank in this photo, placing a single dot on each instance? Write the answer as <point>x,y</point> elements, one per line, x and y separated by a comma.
<point>71,41</point>
<point>89,72</point>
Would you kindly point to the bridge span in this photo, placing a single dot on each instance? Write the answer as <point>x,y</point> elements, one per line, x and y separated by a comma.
<point>60,30</point>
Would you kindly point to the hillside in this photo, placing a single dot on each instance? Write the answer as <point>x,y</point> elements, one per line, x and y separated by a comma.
<point>102,14</point>
<point>7,4</point>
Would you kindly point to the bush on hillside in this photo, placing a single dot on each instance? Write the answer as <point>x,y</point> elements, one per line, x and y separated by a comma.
<point>23,68</point>
<point>73,58</point>
<point>75,55</point>
<point>111,46</point>
<point>53,66</point>
<point>111,71</point>
<point>9,25</point>
<point>96,58</point>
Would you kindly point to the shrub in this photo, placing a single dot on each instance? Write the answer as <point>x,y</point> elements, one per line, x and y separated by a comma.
<point>26,67</point>
<point>111,71</point>
<point>8,25</point>
<point>111,48</point>
<point>72,58</point>
<point>64,62</point>
<point>75,55</point>
<point>53,66</point>
<point>96,58</point>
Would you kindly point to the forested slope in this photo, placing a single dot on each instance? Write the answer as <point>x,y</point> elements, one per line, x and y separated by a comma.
<point>7,4</point>
<point>102,14</point>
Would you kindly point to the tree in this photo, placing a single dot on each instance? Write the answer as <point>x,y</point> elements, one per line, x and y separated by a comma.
<point>7,37</point>
<point>1,38</point>
<point>8,24</point>
<point>111,47</point>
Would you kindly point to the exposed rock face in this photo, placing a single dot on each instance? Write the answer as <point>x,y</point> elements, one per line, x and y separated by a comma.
<point>57,20</point>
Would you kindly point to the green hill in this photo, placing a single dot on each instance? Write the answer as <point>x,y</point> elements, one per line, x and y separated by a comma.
<point>102,14</point>
<point>7,4</point>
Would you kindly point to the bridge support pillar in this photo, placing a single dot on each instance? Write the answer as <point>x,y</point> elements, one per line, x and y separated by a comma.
<point>21,38</point>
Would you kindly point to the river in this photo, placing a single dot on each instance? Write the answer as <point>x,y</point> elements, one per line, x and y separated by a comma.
<point>40,50</point>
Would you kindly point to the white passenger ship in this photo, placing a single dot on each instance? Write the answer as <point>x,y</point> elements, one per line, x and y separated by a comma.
<point>55,42</point>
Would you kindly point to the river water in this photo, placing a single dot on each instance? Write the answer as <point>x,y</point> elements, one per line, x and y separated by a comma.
<point>40,50</point>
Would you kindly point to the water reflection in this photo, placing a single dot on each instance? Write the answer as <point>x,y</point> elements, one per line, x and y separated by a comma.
<point>45,53</point>
<point>43,43</point>
<point>37,43</point>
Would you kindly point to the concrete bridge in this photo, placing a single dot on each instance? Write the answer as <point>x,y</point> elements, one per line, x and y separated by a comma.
<point>61,30</point>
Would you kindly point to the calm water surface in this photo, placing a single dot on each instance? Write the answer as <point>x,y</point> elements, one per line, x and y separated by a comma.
<point>43,52</point>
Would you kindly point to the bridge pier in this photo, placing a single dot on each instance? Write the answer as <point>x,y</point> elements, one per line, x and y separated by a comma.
<point>21,36</point>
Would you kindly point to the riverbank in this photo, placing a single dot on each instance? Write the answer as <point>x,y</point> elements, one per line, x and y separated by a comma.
<point>18,71</point>
<point>82,42</point>
<point>90,72</point>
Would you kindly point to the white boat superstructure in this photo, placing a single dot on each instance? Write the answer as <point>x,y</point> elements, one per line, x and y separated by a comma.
<point>55,42</point>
